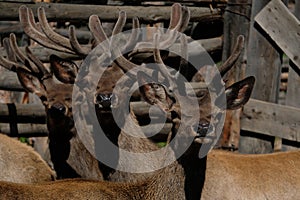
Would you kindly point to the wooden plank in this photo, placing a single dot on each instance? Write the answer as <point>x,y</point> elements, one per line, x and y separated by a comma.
<point>283,27</point>
<point>9,81</point>
<point>210,45</point>
<point>75,12</point>
<point>180,1</point>
<point>236,22</point>
<point>26,113</point>
<point>263,62</point>
<point>26,130</point>
<point>271,119</point>
<point>293,89</point>
<point>18,1</point>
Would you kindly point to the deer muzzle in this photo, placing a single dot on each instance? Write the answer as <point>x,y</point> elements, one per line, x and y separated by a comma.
<point>105,101</point>
<point>57,109</point>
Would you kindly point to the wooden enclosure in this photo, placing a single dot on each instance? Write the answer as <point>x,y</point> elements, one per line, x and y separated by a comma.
<point>269,30</point>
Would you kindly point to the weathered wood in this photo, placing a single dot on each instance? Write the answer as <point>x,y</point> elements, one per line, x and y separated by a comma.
<point>9,81</point>
<point>73,12</point>
<point>283,27</point>
<point>25,113</point>
<point>210,45</point>
<point>236,22</point>
<point>293,89</point>
<point>18,1</point>
<point>182,1</point>
<point>26,130</point>
<point>263,62</point>
<point>271,119</point>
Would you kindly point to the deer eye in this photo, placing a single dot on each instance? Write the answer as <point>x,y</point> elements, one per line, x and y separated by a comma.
<point>68,99</point>
<point>156,87</point>
<point>43,99</point>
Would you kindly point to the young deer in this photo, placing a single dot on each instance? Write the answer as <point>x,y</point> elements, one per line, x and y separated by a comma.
<point>19,163</point>
<point>182,179</point>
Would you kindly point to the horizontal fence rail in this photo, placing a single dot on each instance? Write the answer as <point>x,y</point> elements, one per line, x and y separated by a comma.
<point>76,12</point>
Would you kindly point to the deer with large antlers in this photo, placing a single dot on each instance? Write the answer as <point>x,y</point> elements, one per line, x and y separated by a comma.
<point>57,99</point>
<point>48,38</point>
<point>55,41</point>
<point>186,174</point>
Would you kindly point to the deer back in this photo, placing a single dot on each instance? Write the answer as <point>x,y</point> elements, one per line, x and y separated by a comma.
<point>267,176</point>
<point>19,163</point>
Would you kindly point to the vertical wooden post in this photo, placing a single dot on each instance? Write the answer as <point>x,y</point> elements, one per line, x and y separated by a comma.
<point>293,89</point>
<point>236,22</point>
<point>264,63</point>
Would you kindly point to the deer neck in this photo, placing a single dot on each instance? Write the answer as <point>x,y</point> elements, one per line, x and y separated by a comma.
<point>61,130</point>
<point>183,179</point>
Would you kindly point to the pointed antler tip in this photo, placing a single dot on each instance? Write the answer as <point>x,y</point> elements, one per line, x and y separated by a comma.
<point>176,5</point>
<point>23,7</point>
<point>122,14</point>
<point>240,38</point>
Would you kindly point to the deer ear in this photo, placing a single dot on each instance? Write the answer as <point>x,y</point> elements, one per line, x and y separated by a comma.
<point>64,70</point>
<point>154,93</point>
<point>239,93</point>
<point>31,83</point>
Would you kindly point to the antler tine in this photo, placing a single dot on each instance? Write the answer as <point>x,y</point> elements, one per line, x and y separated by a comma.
<point>120,23</point>
<point>183,57</point>
<point>228,64</point>
<point>45,74</point>
<point>186,14</point>
<point>20,55</point>
<point>6,44</point>
<point>16,50</point>
<point>11,62</point>
<point>134,36</point>
<point>122,62</point>
<point>52,35</point>
<point>178,21</point>
<point>97,29</point>
<point>28,24</point>
<point>175,15</point>
<point>75,44</point>
<point>162,67</point>
<point>183,18</point>
<point>99,34</point>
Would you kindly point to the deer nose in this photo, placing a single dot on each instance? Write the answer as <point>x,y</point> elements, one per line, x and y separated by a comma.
<point>202,129</point>
<point>104,100</point>
<point>57,108</point>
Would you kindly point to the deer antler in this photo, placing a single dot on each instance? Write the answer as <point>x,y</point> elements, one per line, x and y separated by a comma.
<point>28,61</point>
<point>46,36</point>
<point>228,64</point>
<point>179,19</point>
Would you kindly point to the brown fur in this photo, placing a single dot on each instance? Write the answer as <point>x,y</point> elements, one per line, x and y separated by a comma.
<point>265,176</point>
<point>61,128</point>
<point>183,175</point>
<point>19,163</point>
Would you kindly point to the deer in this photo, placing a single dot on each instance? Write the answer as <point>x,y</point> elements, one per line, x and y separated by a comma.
<point>99,36</point>
<point>61,69</point>
<point>57,100</point>
<point>186,174</point>
<point>19,163</point>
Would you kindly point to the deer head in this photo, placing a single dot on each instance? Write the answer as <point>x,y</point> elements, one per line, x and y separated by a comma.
<point>56,98</point>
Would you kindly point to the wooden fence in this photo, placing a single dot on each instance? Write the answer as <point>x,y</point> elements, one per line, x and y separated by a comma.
<point>262,116</point>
